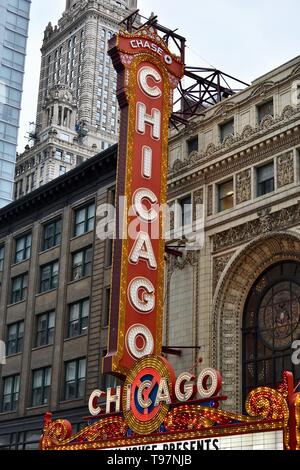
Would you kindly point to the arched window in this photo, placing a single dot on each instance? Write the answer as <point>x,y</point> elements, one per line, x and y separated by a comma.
<point>270,327</point>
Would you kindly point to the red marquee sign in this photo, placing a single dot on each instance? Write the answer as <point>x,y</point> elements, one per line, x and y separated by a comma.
<point>147,75</point>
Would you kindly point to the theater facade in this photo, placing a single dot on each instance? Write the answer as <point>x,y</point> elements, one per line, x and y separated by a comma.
<point>229,309</point>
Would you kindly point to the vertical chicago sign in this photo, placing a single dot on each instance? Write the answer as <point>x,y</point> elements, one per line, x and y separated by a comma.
<point>148,73</point>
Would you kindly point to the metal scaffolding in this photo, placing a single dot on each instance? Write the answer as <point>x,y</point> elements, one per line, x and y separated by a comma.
<point>201,87</point>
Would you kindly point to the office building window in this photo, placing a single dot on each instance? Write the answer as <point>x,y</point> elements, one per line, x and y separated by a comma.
<point>193,145</point>
<point>17,22</point>
<point>1,258</point>
<point>15,335</point>
<point>14,40</point>
<point>13,59</point>
<point>84,219</point>
<point>10,393</point>
<point>78,318</point>
<point>108,380</point>
<point>58,154</point>
<point>75,379</point>
<point>109,252</point>
<point>19,288</point>
<point>22,6</point>
<point>226,196</point>
<point>62,170</point>
<point>185,209</point>
<point>82,264</point>
<point>31,440</point>
<point>106,307</point>
<point>45,325</point>
<point>41,381</point>
<point>265,109</point>
<point>226,129</point>
<point>49,277</point>
<point>23,248</point>
<point>52,234</point>
<point>265,179</point>
<point>68,157</point>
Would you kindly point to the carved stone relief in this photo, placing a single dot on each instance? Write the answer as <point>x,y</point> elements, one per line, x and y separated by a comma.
<point>285,170</point>
<point>220,264</point>
<point>267,221</point>
<point>243,186</point>
<point>198,199</point>
<point>210,200</point>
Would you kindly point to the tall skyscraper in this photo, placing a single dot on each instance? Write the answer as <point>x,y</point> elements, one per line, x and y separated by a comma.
<point>77,112</point>
<point>14,21</point>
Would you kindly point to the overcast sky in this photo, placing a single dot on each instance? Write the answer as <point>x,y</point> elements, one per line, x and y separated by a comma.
<point>244,38</point>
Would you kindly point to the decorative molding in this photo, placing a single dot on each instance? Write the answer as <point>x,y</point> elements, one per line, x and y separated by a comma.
<point>219,264</point>
<point>285,170</point>
<point>210,191</point>
<point>238,277</point>
<point>248,135</point>
<point>295,71</point>
<point>243,186</point>
<point>198,199</point>
<point>267,221</point>
<point>262,89</point>
<point>224,109</point>
<point>172,217</point>
<point>176,263</point>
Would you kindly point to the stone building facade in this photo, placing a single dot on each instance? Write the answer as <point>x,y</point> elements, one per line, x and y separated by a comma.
<point>77,111</point>
<point>54,291</point>
<point>243,306</point>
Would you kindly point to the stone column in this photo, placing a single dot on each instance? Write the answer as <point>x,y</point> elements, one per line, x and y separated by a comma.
<point>88,68</point>
<point>25,385</point>
<point>60,311</point>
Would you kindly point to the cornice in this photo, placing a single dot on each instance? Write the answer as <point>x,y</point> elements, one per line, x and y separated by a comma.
<point>228,108</point>
<point>239,151</point>
<point>100,168</point>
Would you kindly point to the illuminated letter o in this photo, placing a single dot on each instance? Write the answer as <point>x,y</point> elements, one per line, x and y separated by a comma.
<point>140,331</point>
<point>215,386</point>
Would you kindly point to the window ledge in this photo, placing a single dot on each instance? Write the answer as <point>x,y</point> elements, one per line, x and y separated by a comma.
<point>37,348</point>
<point>46,292</point>
<point>48,249</point>
<point>37,407</point>
<point>8,413</point>
<point>78,280</point>
<point>74,400</point>
<point>17,303</point>
<point>20,262</point>
<point>265,196</point>
<point>66,340</point>
<point>14,355</point>
<point>76,237</point>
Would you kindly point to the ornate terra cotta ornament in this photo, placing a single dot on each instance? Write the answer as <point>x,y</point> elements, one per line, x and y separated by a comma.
<point>285,170</point>
<point>243,186</point>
